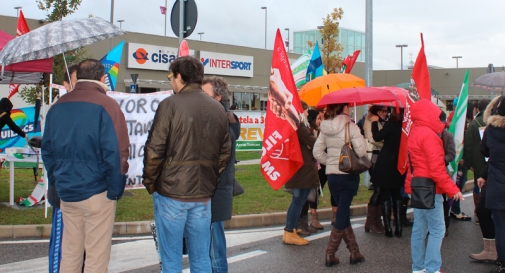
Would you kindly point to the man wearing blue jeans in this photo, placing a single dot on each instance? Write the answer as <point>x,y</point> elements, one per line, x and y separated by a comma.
<point>187,149</point>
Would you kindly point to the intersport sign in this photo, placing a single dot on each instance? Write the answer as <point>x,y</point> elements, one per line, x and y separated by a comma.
<point>227,64</point>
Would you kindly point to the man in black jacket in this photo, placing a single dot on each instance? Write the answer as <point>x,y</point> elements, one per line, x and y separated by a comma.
<point>222,201</point>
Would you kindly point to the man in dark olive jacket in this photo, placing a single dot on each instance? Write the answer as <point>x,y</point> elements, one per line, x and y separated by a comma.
<point>187,149</point>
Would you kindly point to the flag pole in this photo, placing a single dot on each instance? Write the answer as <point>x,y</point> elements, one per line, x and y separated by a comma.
<point>166,3</point>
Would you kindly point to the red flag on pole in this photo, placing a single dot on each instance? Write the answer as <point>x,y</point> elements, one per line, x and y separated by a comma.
<point>421,74</point>
<point>22,25</point>
<point>163,10</point>
<point>350,61</point>
<point>21,29</point>
<point>419,89</point>
<point>281,156</point>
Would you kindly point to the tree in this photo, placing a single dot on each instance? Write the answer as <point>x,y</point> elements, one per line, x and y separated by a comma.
<point>56,11</point>
<point>331,49</point>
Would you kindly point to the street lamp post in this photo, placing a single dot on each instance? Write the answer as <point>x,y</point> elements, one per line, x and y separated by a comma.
<point>401,55</point>
<point>457,58</point>
<point>320,29</point>
<point>111,18</point>
<point>201,33</point>
<point>17,8</point>
<point>120,23</point>
<point>287,29</point>
<point>265,8</point>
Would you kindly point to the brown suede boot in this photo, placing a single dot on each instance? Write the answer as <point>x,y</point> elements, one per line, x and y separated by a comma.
<point>335,239</point>
<point>373,220</point>
<point>314,221</point>
<point>292,238</point>
<point>350,241</point>
<point>488,254</point>
<point>303,225</point>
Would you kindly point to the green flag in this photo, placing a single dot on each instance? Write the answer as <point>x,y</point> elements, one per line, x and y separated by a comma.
<point>457,127</point>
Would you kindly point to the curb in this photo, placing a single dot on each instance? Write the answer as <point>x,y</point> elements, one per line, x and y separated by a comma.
<point>143,227</point>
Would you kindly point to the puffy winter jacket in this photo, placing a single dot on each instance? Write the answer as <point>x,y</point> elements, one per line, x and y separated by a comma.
<point>426,148</point>
<point>331,139</point>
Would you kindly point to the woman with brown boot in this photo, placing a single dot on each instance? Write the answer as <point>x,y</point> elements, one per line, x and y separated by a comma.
<point>302,182</point>
<point>343,186</point>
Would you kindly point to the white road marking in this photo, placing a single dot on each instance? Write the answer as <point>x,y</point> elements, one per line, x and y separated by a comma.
<point>238,258</point>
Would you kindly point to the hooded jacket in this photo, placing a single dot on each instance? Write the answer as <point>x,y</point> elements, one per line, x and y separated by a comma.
<point>306,177</point>
<point>493,146</point>
<point>426,149</point>
<point>5,112</point>
<point>331,139</point>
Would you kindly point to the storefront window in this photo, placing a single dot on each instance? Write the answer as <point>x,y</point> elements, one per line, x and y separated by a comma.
<point>249,101</point>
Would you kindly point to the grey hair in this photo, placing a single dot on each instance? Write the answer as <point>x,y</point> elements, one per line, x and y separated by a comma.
<point>219,86</point>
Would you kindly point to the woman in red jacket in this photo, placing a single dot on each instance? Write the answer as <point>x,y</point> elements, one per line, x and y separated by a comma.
<point>427,158</point>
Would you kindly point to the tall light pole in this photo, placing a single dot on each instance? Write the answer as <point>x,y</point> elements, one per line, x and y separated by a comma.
<point>401,55</point>
<point>17,8</point>
<point>320,29</point>
<point>457,58</point>
<point>111,17</point>
<point>201,33</point>
<point>120,23</point>
<point>287,29</point>
<point>265,8</point>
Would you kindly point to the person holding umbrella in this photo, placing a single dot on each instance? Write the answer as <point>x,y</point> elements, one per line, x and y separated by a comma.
<point>343,186</point>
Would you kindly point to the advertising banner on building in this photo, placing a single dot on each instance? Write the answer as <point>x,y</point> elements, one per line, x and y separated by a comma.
<point>139,110</point>
<point>152,57</point>
<point>252,125</point>
<point>24,119</point>
<point>227,64</point>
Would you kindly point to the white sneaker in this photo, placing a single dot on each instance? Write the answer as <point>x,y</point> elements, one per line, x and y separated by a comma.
<point>419,271</point>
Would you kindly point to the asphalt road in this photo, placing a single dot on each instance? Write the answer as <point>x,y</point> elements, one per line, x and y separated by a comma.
<point>261,250</point>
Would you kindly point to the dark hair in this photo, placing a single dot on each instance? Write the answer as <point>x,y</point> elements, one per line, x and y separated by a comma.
<point>233,107</point>
<point>312,116</point>
<point>190,69</point>
<point>90,69</point>
<point>376,108</point>
<point>219,87</point>
<point>483,105</point>
<point>71,69</point>
<point>396,117</point>
<point>305,106</point>
<point>443,117</point>
<point>333,110</point>
<point>469,110</point>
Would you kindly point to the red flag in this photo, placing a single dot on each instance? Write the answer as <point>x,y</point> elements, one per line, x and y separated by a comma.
<point>421,74</point>
<point>22,29</point>
<point>419,89</point>
<point>281,156</point>
<point>163,10</point>
<point>350,61</point>
<point>22,25</point>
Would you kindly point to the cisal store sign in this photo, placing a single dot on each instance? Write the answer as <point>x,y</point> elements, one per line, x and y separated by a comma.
<point>227,64</point>
<point>151,57</point>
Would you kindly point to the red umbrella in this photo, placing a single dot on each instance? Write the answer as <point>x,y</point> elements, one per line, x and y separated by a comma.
<point>401,97</point>
<point>358,96</point>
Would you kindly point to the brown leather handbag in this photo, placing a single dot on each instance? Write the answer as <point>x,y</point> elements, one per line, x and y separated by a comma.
<point>350,162</point>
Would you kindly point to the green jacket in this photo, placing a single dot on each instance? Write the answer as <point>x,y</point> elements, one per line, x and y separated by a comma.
<point>473,157</point>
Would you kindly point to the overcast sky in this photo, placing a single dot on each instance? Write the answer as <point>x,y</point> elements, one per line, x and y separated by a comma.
<point>471,29</point>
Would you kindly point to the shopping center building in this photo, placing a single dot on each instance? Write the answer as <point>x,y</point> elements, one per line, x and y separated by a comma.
<point>246,69</point>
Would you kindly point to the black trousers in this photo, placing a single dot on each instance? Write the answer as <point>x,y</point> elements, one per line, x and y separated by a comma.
<point>486,223</point>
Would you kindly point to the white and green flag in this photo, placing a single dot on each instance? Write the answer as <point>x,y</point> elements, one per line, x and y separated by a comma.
<point>457,127</point>
<point>299,68</point>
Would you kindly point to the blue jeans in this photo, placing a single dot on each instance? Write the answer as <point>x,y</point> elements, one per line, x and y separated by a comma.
<point>343,188</point>
<point>293,215</point>
<point>428,256</point>
<point>175,219</point>
<point>218,248</point>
